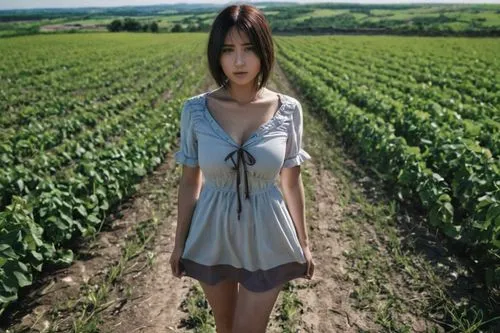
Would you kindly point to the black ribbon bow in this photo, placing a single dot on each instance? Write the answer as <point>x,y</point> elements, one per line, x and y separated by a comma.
<point>236,166</point>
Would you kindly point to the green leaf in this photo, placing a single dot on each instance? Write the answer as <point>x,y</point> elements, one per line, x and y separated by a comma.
<point>434,219</point>
<point>485,200</point>
<point>105,205</point>
<point>7,251</point>
<point>444,198</point>
<point>36,233</point>
<point>20,184</point>
<point>449,208</point>
<point>23,279</point>
<point>37,255</point>
<point>493,212</point>
<point>92,218</point>
<point>140,171</point>
<point>6,297</point>
<point>65,256</point>
<point>23,267</point>
<point>3,261</point>
<point>57,222</point>
<point>437,177</point>
<point>66,218</point>
<point>82,210</point>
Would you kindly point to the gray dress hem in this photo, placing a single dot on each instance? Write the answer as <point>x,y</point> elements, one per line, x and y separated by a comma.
<point>256,281</point>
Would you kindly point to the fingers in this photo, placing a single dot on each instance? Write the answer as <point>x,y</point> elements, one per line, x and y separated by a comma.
<point>310,269</point>
<point>174,266</point>
<point>180,269</point>
<point>177,271</point>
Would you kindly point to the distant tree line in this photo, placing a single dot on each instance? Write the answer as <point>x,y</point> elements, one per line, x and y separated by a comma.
<point>190,28</point>
<point>129,24</point>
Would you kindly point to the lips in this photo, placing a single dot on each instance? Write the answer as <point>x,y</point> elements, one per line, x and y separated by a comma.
<point>240,73</point>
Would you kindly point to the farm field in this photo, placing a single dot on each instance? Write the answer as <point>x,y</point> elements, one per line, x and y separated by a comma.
<point>439,110</point>
<point>489,17</point>
<point>471,20</point>
<point>72,148</point>
<point>402,195</point>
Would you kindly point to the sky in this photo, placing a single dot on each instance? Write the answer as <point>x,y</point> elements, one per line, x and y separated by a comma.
<point>25,4</point>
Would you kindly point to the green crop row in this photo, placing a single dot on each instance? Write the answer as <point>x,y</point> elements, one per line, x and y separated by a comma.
<point>386,91</point>
<point>405,167</point>
<point>23,178</point>
<point>49,211</point>
<point>48,132</point>
<point>396,74</point>
<point>60,96</point>
<point>470,171</point>
<point>464,68</point>
<point>418,128</point>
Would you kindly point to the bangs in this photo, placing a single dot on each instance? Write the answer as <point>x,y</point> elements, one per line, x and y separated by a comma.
<point>250,21</point>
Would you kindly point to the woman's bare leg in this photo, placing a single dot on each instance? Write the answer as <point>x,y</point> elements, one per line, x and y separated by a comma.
<point>253,310</point>
<point>222,299</point>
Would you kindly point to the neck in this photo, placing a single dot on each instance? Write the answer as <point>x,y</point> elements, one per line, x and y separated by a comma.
<point>244,94</point>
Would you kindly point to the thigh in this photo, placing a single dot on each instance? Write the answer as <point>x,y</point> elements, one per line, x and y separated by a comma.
<point>253,309</point>
<point>222,299</point>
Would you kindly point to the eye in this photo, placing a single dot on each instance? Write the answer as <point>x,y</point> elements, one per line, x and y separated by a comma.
<point>226,50</point>
<point>251,48</point>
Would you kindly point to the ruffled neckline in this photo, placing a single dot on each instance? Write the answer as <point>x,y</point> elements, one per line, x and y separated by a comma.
<point>277,119</point>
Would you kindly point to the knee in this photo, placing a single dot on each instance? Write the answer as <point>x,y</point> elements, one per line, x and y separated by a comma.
<point>224,325</point>
<point>247,327</point>
<point>236,328</point>
<point>225,328</point>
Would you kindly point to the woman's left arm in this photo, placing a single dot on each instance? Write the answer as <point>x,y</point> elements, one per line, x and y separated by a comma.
<point>293,192</point>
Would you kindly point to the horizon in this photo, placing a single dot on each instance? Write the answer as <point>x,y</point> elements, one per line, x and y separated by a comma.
<point>68,4</point>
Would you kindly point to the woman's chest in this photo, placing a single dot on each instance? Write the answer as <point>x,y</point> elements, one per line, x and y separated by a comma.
<point>263,153</point>
<point>239,123</point>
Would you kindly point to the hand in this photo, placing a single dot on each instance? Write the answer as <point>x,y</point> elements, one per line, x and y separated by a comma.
<point>174,262</point>
<point>310,262</point>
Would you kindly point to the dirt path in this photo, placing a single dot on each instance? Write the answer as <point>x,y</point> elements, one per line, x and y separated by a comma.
<point>326,297</point>
<point>160,294</point>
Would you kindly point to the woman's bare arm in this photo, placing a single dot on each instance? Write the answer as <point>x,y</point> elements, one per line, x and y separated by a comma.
<point>293,192</point>
<point>189,191</point>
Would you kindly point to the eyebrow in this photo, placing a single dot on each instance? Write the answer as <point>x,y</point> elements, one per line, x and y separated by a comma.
<point>233,44</point>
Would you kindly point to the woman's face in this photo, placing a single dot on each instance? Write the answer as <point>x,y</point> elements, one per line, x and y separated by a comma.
<point>238,55</point>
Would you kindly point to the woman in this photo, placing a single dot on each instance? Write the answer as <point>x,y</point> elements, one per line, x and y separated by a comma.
<point>241,249</point>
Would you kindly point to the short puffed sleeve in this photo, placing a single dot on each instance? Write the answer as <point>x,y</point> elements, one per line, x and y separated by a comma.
<point>188,152</point>
<point>295,154</point>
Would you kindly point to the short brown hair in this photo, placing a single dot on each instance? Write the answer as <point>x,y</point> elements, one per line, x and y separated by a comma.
<point>250,20</point>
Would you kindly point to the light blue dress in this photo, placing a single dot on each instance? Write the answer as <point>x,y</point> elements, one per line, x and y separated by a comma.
<point>241,228</point>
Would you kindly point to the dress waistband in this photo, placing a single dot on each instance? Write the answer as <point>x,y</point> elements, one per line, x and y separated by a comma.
<point>231,189</point>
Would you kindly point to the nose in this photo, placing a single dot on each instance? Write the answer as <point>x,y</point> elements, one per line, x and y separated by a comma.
<point>239,60</point>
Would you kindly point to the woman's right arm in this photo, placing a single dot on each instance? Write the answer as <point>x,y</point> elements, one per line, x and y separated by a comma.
<point>189,191</point>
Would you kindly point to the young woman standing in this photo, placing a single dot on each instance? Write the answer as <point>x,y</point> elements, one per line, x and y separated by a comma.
<point>237,233</point>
